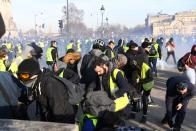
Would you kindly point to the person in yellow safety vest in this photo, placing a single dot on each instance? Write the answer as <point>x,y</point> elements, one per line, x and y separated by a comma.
<point>70,45</point>
<point>109,52</point>
<point>51,55</point>
<point>26,53</point>
<point>3,58</point>
<point>154,52</point>
<point>9,46</point>
<point>71,71</point>
<point>113,82</point>
<point>78,46</point>
<point>125,48</point>
<point>19,49</point>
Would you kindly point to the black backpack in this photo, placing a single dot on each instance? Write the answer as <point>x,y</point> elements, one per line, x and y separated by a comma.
<point>75,91</point>
<point>152,50</point>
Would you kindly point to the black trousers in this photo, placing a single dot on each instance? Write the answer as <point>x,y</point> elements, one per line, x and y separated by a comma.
<point>145,96</point>
<point>171,103</point>
<point>173,55</point>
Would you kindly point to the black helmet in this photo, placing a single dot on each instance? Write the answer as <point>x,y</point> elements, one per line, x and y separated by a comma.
<point>99,44</point>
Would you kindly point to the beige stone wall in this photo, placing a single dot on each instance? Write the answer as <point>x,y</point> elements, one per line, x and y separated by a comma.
<point>182,24</point>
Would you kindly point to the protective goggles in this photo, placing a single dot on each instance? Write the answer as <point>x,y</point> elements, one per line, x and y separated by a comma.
<point>24,76</point>
<point>181,86</point>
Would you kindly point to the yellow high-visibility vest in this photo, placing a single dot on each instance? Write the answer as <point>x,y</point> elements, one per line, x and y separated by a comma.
<point>49,54</point>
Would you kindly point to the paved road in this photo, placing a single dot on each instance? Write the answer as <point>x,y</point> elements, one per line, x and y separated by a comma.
<point>156,114</point>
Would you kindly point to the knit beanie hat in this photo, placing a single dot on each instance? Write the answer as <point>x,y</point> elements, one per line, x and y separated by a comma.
<point>29,66</point>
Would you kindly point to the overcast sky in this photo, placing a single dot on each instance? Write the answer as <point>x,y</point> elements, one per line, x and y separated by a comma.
<point>125,12</point>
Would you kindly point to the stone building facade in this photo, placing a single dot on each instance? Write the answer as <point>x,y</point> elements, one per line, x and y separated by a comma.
<point>183,23</point>
<point>5,10</point>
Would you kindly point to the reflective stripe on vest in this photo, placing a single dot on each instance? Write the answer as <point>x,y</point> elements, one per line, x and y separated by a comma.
<point>113,85</point>
<point>156,48</point>
<point>49,54</point>
<point>144,70</point>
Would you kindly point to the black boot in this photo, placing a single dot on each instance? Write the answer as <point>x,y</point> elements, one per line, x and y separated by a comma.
<point>164,120</point>
<point>176,128</point>
<point>144,119</point>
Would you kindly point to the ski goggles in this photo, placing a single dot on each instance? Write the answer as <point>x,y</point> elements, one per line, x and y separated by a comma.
<point>24,76</point>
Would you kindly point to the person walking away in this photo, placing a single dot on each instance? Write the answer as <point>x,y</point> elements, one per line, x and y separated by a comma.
<point>52,55</point>
<point>170,46</point>
<point>178,93</point>
<point>154,52</point>
<point>160,42</point>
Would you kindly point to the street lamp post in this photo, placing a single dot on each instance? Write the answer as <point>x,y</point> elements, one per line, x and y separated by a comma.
<point>35,24</point>
<point>35,20</point>
<point>67,19</point>
<point>102,12</point>
<point>107,27</point>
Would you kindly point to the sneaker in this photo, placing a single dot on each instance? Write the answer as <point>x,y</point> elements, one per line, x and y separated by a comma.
<point>144,119</point>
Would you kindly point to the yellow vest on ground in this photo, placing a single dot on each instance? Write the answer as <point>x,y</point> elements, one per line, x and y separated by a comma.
<point>2,65</point>
<point>49,54</point>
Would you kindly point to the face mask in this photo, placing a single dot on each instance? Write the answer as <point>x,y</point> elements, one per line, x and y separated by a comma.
<point>30,83</point>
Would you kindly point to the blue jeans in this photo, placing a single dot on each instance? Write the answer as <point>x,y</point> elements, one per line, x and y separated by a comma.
<point>152,62</point>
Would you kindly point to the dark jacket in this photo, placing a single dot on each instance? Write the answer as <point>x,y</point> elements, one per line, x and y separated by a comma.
<point>108,53</point>
<point>53,98</point>
<point>190,58</point>
<point>172,90</point>
<point>135,60</point>
<point>12,91</point>
<point>88,75</point>
<point>69,75</point>
<point>2,26</point>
